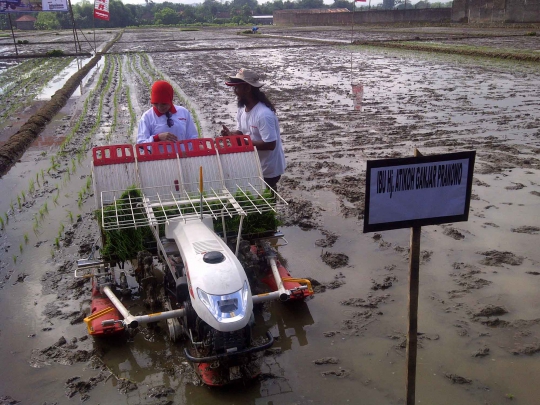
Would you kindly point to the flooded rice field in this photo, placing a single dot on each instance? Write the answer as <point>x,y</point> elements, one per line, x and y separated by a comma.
<point>478,307</point>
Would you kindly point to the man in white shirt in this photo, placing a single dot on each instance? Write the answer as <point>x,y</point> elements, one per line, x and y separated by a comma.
<point>257,118</point>
<point>165,121</point>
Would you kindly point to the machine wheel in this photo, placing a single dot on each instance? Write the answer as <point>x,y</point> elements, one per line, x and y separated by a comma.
<point>173,325</point>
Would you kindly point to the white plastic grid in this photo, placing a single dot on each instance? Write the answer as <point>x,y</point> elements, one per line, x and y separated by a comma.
<point>169,189</point>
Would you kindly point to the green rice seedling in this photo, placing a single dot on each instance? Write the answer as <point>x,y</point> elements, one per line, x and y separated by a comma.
<point>15,259</point>
<point>57,242</point>
<point>1,223</point>
<point>55,199</point>
<point>45,207</point>
<point>70,215</point>
<point>37,180</point>
<point>26,238</point>
<point>11,206</point>
<point>21,247</point>
<point>19,201</point>
<point>52,253</point>
<point>31,186</point>
<point>73,165</point>
<point>88,183</point>
<point>6,216</point>
<point>23,195</point>
<point>42,174</point>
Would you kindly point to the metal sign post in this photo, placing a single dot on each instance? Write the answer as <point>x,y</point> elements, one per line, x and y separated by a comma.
<point>412,192</point>
<point>414,286</point>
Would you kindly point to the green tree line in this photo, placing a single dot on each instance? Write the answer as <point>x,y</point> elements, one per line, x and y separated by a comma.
<point>207,12</point>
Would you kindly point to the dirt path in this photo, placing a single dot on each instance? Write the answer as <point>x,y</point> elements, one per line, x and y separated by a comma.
<point>479,279</point>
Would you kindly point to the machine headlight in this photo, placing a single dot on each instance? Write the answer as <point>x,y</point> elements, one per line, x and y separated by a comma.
<point>226,308</point>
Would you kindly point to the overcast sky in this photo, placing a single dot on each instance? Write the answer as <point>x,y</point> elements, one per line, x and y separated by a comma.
<point>373,2</point>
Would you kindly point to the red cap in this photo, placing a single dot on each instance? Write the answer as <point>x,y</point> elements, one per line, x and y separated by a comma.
<point>162,92</point>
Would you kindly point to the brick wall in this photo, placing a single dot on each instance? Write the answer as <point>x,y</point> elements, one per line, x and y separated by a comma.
<point>496,11</point>
<point>474,11</point>
<point>298,18</point>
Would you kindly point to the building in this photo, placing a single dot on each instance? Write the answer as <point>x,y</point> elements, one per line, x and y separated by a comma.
<point>26,22</point>
<point>263,19</point>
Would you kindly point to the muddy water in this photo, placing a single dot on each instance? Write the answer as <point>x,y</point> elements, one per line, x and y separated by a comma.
<point>435,103</point>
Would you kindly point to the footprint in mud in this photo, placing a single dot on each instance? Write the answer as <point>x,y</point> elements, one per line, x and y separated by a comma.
<point>491,310</point>
<point>532,230</point>
<point>320,288</point>
<point>478,182</point>
<point>482,352</point>
<point>326,360</point>
<point>339,373</point>
<point>335,260</point>
<point>384,284</point>
<point>529,349</point>
<point>456,379</point>
<point>497,258</point>
<point>453,233</point>
<point>7,400</point>
<point>467,279</point>
<point>62,353</point>
<point>299,212</point>
<point>328,241</point>
<point>516,186</point>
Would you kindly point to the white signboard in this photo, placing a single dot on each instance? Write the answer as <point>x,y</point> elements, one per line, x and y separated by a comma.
<point>417,191</point>
<point>31,6</point>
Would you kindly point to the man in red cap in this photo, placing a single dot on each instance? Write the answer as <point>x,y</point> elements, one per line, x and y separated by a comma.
<point>257,118</point>
<point>165,121</point>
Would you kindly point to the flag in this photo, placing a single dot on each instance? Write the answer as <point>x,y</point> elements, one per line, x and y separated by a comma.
<point>101,9</point>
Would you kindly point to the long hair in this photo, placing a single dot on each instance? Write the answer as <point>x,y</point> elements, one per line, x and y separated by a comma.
<point>260,96</point>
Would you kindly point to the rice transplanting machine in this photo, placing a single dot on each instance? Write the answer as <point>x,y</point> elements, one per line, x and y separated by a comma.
<point>179,191</point>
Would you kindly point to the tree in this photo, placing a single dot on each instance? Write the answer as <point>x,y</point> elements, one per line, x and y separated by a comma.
<point>47,21</point>
<point>166,16</point>
<point>342,4</point>
<point>422,4</point>
<point>310,4</point>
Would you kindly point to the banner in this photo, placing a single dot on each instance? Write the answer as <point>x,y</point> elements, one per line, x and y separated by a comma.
<point>358,95</point>
<point>32,6</point>
<point>101,9</point>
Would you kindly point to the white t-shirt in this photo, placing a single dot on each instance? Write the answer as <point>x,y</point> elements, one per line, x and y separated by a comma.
<point>261,124</point>
<point>150,124</point>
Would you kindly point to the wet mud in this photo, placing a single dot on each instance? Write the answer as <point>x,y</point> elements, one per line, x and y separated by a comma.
<point>478,318</point>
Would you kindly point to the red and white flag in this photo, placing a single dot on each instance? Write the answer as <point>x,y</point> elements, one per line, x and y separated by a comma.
<point>101,9</point>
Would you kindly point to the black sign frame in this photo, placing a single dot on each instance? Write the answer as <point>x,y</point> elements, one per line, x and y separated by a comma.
<point>385,226</point>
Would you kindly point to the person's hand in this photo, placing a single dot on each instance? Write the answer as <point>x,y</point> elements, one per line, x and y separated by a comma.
<point>167,136</point>
<point>225,131</point>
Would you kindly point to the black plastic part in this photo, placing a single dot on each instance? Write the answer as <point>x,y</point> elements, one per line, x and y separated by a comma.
<point>213,257</point>
<point>234,354</point>
<point>182,292</point>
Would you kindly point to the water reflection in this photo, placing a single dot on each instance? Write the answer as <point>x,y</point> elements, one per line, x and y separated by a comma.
<point>290,319</point>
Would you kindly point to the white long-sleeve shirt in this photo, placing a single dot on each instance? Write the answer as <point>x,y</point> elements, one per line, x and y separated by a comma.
<point>150,125</point>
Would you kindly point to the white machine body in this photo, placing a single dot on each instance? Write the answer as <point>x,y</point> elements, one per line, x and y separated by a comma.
<point>218,285</point>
